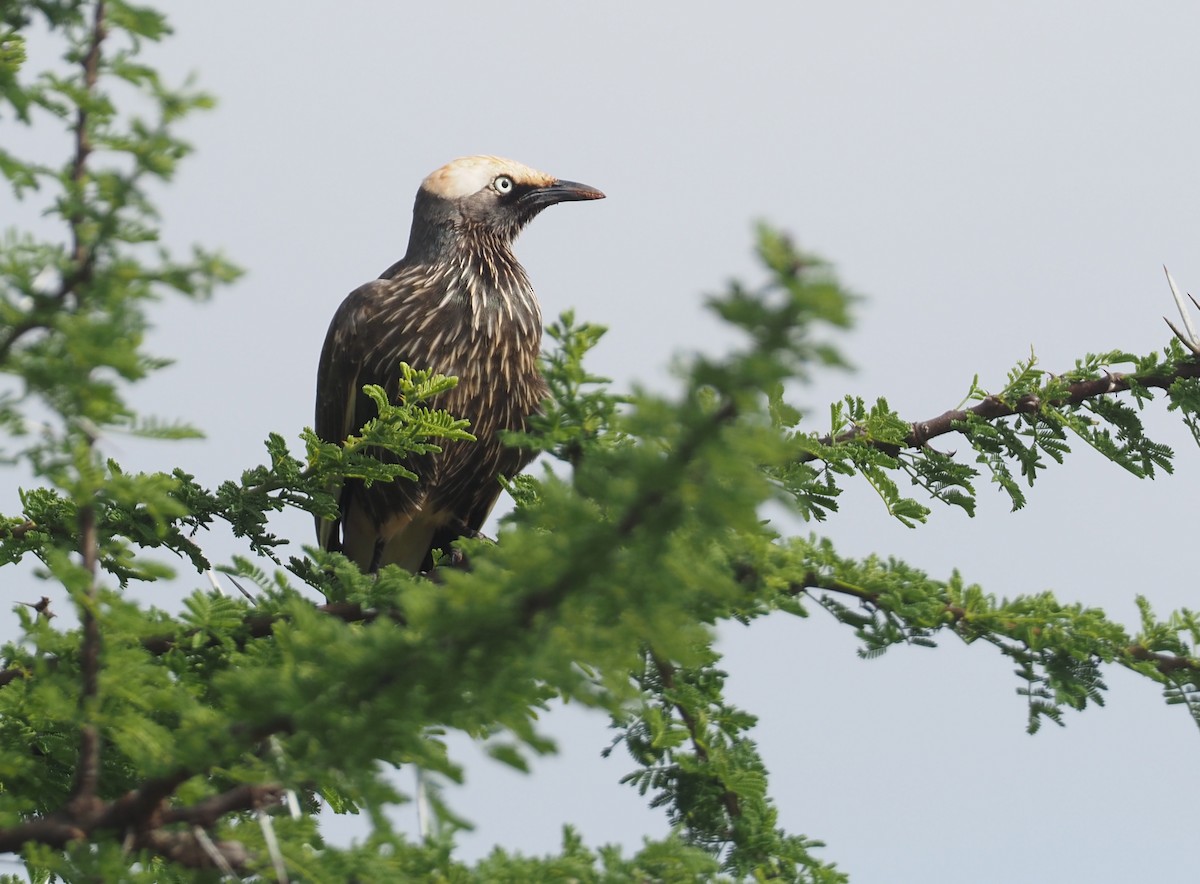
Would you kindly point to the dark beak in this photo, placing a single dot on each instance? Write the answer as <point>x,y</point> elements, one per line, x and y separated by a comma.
<point>560,192</point>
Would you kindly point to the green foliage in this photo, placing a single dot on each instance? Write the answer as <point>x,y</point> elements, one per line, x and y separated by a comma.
<point>695,756</point>
<point>141,727</point>
<point>580,407</point>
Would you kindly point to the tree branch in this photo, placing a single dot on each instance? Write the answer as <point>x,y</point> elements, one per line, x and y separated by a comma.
<point>87,775</point>
<point>666,673</point>
<point>142,815</point>
<point>208,812</point>
<point>84,802</point>
<point>81,255</point>
<point>995,408</point>
<point>263,625</point>
<point>256,626</point>
<point>196,850</point>
<point>1165,664</point>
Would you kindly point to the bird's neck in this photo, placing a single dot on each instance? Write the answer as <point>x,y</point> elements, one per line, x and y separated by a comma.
<point>441,232</point>
<point>482,252</point>
<point>484,280</point>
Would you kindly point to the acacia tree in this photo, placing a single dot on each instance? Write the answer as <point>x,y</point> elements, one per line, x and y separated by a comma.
<point>141,745</point>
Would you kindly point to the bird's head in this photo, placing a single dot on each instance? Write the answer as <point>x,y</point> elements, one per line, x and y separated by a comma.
<point>487,195</point>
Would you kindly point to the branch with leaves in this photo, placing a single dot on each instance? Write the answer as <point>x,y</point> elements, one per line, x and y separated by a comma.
<point>144,743</point>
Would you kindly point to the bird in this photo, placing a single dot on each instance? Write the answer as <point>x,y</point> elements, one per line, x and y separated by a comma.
<point>460,304</point>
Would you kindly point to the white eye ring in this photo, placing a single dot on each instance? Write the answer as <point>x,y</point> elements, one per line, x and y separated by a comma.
<point>503,184</point>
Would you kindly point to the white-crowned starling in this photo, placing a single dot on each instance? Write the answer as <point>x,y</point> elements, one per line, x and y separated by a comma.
<point>457,303</point>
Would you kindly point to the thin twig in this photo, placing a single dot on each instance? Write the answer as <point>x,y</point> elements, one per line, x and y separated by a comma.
<point>666,673</point>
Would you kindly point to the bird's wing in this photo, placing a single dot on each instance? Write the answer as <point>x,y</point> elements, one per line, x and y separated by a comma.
<point>340,381</point>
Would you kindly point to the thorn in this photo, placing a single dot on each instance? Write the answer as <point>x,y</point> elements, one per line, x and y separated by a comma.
<point>214,582</point>
<point>1192,340</point>
<point>425,818</point>
<point>268,830</point>
<point>241,589</point>
<point>290,800</point>
<point>1194,347</point>
<point>214,854</point>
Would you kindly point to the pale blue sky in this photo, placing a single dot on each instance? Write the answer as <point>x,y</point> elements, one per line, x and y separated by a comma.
<point>991,176</point>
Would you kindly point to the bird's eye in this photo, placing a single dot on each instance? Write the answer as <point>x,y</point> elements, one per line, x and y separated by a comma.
<point>503,184</point>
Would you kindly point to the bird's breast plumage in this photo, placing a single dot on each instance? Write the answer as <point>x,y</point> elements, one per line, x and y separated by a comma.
<point>483,328</point>
<point>474,318</point>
